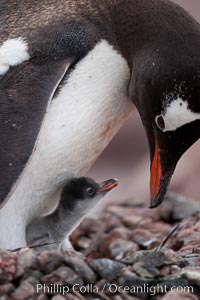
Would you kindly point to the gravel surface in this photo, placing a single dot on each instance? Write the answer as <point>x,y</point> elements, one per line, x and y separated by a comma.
<point>128,252</point>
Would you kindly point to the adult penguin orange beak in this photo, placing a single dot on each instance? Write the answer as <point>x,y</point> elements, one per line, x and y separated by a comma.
<point>166,150</point>
<point>159,178</point>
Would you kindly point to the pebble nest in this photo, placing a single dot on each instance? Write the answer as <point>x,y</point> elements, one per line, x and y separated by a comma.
<point>128,252</point>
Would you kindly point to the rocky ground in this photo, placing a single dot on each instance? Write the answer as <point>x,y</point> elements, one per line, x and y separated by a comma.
<point>128,252</point>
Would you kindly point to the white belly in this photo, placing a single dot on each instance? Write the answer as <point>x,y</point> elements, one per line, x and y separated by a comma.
<point>80,122</point>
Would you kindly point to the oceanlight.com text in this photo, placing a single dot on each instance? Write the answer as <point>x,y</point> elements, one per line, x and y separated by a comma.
<point>111,288</point>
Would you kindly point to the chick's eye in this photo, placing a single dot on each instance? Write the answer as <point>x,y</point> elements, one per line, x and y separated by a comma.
<point>90,191</point>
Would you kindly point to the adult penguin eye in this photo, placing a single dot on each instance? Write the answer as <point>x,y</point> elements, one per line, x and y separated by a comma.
<point>90,191</point>
<point>160,122</point>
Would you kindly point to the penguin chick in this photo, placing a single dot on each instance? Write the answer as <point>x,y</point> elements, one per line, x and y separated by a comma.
<point>78,197</point>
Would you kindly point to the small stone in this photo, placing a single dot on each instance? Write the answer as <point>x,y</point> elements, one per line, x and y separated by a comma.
<point>132,221</point>
<point>101,283</point>
<point>26,259</point>
<point>72,253</point>
<point>68,276</point>
<point>49,261</point>
<point>156,259</point>
<point>144,238</point>
<point>127,297</point>
<point>179,296</point>
<point>159,228</point>
<point>83,242</point>
<point>5,298</point>
<point>74,297</point>
<point>101,244</point>
<point>121,233</point>
<point>31,282</point>
<point>111,221</point>
<point>8,262</point>
<point>186,234</point>
<point>33,273</point>
<point>58,297</point>
<point>190,248</point>
<point>128,255</point>
<point>88,228</point>
<point>107,268</point>
<point>175,269</point>
<point>63,275</point>
<point>90,225</point>
<point>70,297</point>
<point>129,279</point>
<point>81,268</point>
<point>165,271</point>
<point>6,289</point>
<point>24,291</point>
<point>119,247</point>
<point>193,276</point>
<point>42,297</point>
<point>117,297</point>
<point>145,271</point>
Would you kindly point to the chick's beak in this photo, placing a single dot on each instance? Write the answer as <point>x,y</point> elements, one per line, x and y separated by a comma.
<point>160,178</point>
<point>108,185</point>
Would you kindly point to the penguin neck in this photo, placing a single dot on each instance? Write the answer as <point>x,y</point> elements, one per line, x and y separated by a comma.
<point>63,220</point>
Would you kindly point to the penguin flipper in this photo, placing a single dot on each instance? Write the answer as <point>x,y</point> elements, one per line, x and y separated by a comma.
<point>25,92</point>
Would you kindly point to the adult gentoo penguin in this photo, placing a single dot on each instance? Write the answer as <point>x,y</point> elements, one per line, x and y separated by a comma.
<point>69,73</point>
<point>78,197</point>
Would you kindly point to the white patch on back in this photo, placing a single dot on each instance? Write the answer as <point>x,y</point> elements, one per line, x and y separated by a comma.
<point>80,122</point>
<point>12,53</point>
<point>177,114</point>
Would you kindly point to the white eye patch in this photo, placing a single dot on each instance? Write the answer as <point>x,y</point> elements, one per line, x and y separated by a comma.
<point>176,114</point>
<point>12,53</point>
